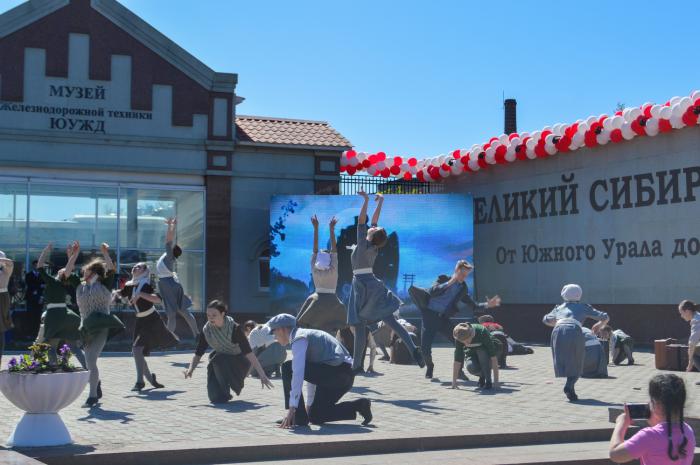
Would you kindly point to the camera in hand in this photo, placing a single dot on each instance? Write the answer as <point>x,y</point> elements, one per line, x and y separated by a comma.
<point>639,411</point>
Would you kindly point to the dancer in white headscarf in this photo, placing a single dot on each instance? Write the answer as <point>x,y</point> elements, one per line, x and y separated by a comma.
<point>568,342</point>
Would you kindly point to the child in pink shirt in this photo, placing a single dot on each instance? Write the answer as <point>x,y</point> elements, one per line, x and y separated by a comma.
<point>668,440</point>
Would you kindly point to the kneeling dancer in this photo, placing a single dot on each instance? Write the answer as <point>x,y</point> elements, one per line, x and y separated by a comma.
<point>232,356</point>
<point>326,365</point>
<point>481,347</point>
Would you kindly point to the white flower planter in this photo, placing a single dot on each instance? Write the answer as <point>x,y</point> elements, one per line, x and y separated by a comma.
<point>42,397</point>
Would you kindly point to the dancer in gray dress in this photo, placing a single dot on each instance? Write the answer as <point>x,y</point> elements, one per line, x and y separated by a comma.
<point>323,310</point>
<point>370,301</point>
<point>6,268</point>
<point>169,287</point>
<point>568,342</point>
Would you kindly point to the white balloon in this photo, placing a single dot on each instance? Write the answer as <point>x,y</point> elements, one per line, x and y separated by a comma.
<point>616,122</point>
<point>603,138</point>
<point>491,155</point>
<point>582,127</point>
<point>515,141</point>
<point>578,140</point>
<point>627,132</point>
<point>530,153</point>
<point>523,135</point>
<point>444,173</point>
<point>695,95</point>
<point>380,165</point>
<point>456,168</point>
<point>666,113</point>
<point>463,153</point>
<point>655,111</point>
<point>557,129</point>
<point>536,136</point>
<point>652,127</point>
<point>530,144</point>
<point>676,110</point>
<point>404,167</point>
<point>413,170</point>
<point>608,124</point>
<point>634,113</point>
<point>510,156</point>
<point>685,103</point>
<point>550,148</point>
<point>473,165</point>
<point>503,139</point>
<point>674,100</point>
<point>590,120</point>
<point>546,128</point>
<point>677,122</point>
<point>442,159</point>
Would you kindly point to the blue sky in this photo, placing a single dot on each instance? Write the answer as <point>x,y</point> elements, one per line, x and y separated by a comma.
<point>422,78</point>
<point>429,244</point>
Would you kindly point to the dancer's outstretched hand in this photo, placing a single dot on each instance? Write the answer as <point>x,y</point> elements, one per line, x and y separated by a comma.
<point>363,194</point>
<point>266,383</point>
<point>494,301</point>
<point>314,221</point>
<point>333,222</point>
<point>379,198</point>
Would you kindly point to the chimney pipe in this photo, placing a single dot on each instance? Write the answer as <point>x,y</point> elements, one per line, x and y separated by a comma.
<point>510,120</point>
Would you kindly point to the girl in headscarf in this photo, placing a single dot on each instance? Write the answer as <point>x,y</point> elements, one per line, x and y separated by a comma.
<point>149,330</point>
<point>568,341</point>
<point>231,359</point>
<point>323,310</point>
<point>370,301</point>
<point>58,322</point>
<point>94,296</point>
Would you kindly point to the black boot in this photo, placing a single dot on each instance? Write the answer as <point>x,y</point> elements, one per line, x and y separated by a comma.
<point>91,402</point>
<point>154,382</point>
<point>418,357</point>
<point>138,387</point>
<point>99,389</point>
<point>364,408</point>
<point>429,366</point>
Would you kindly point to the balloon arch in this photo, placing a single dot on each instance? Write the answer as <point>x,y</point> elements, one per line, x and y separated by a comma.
<point>646,120</point>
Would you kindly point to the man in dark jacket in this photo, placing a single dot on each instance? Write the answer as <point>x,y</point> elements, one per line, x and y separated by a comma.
<point>34,298</point>
<point>438,304</point>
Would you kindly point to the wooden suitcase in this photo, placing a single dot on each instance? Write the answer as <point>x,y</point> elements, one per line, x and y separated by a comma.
<point>660,353</point>
<point>676,357</point>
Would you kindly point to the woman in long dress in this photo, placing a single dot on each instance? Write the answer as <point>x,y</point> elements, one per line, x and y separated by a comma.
<point>370,300</point>
<point>97,325</point>
<point>568,342</point>
<point>149,330</point>
<point>231,358</point>
<point>58,322</point>
<point>323,310</point>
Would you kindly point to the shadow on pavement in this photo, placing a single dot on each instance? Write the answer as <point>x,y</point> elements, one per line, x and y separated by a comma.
<point>98,413</point>
<point>364,390</point>
<point>154,394</point>
<point>235,406</point>
<point>330,429</point>
<point>419,405</point>
<point>594,403</point>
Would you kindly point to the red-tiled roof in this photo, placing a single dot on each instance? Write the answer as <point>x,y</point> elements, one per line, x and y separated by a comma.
<point>281,131</point>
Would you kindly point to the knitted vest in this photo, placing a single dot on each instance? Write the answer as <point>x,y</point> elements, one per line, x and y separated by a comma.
<point>220,338</point>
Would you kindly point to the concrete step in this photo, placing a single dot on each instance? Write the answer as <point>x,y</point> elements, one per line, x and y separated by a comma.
<point>588,453</point>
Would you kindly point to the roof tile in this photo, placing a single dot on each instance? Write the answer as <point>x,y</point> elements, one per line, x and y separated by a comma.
<point>267,130</point>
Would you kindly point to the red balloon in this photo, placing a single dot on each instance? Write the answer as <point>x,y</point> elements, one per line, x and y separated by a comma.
<point>381,156</point>
<point>342,168</point>
<point>420,176</point>
<point>412,162</point>
<point>665,125</point>
<point>639,129</point>
<point>445,167</point>
<point>545,133</point>
<point>690,118</point>
<point>373,159</point>
<point>435,174</point>
<point>397,161</point>
<point>464,160</point>
<point>358,167</point>
<point>501,154</point>
<point>513,136</point>
<point>616,135</point>
<point>618,113</point>
<point>540,151</point>
<point>366,163</point>
<point>590,138</point>
<point>647,111</point>
<point>407,176</point>
<point>482,163</point>
<point>521,152</point>
<point>697,102</point>
<point>563,144</point>
<point>602,118</point>
<point>492,139</point>
<point>351,170</point>
<point>395,170</point>
<point>350,154</point>
<point>457,154</point>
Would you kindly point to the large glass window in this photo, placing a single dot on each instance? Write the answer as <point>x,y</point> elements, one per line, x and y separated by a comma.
<point>130,219</point>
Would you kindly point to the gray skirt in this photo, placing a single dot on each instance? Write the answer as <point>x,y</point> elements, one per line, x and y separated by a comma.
<point>322,311</point>
<point>595,363</point>
<point>370,301</point>
<point>5,320</point>
<point>568,350</point>
<point>172,293</point>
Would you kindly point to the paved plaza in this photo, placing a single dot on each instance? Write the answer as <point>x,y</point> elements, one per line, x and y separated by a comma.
<point>404,404</point>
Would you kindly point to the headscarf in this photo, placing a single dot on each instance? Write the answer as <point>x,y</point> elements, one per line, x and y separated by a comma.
<point>323,261</point>
<point>143,279</point>
<point>571,293</point>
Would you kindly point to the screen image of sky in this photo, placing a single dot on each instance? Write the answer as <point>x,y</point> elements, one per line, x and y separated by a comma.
<point>434,231</point>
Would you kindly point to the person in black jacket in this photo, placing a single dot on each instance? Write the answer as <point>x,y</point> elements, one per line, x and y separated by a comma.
<point>438,304</point>
<point>34,297</point>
